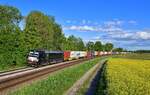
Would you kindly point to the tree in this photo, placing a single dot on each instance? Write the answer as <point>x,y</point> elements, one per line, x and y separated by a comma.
<point>9,16</point>
<point>98,46</point>
<point>80,44</point>
<point>108,47</point>
<point>58,37</point>
<point>10,36</point>
<point>90,46</point>
<point>118,49</point>
<point>65,45</point>
<point>73,43</point>
<point>39,31</point>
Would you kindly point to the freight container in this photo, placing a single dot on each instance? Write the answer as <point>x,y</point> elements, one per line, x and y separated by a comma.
<point>105,53</point>
<point>109,53</point>
<point>101,53</point>
<point>74,55</point>
<point>82,54</point>
<point>95,53</point>
<point>66,55</point>
<point>90,54</point>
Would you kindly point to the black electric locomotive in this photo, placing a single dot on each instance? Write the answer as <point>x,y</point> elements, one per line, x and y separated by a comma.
<point>44,57</point>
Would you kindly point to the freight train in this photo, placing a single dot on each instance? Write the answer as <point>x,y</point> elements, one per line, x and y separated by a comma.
<point>43,57</point>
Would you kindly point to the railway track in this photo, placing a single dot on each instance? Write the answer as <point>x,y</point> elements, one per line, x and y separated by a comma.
<point>18,70</point>
<point>15,71</point>
<point>10,80</point>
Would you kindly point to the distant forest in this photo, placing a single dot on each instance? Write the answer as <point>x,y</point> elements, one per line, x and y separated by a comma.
<point>142,51</point>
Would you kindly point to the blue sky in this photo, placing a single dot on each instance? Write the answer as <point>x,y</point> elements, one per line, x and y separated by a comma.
<point>125,23</point>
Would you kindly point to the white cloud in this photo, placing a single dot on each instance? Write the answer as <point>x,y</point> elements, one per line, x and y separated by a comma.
<point>145,35</point>
<point>86,22</point>
<point>125,35</point>
<point>96,38</point>
<point>83,22</point>
<point>68,21</point>
<point>87,25</point>
<point>80,28</point>
<point>92,28</point>
<point>71,21</point>
<point>113,31</point>
<point>132,22</point>
<point>113,23</point>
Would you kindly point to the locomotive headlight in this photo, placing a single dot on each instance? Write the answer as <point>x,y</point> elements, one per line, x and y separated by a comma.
<point>35,59</point>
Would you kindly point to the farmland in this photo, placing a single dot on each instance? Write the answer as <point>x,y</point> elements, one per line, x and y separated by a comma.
<point>124,76</point>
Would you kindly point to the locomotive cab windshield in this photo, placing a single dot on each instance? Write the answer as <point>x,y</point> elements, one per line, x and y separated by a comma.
<point>33,54</point>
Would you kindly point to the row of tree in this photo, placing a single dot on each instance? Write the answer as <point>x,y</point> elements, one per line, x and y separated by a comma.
<point>40,32</point>
<point>142,51</point>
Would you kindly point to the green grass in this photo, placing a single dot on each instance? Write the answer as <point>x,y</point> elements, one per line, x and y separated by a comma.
<point>13,67</point>
<point>126,77</point>
<point>59,82</point>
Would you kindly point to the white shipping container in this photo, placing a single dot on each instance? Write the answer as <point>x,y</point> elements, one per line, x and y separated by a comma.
<point>74,55</point>
<point>101,53</point>
<point>105,53</point>
<point>82,54</point>
<point>117,52</point>
<point>109,52</point>
<point>96,53</point>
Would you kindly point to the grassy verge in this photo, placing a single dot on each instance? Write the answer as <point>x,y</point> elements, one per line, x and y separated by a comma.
<point>8,68</point>
<point>59,82</point>
<point>126,77</point>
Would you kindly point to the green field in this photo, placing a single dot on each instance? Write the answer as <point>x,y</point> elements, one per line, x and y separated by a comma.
<point>142,56</point>
<point>124,76</point>
<point>59,82</point>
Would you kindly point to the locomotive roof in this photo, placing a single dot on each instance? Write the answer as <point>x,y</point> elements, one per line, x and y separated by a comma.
<point>48,51</point>
<point>53,51</point>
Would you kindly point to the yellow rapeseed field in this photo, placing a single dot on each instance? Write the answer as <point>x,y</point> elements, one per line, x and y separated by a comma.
<point>128,77</point>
